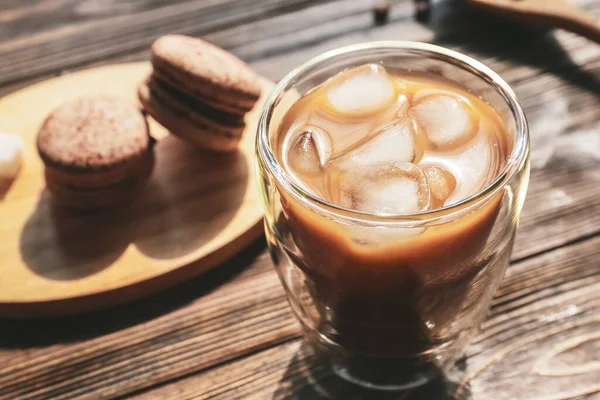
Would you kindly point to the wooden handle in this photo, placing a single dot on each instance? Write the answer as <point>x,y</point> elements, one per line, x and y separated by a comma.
<point>579,21</point>
<point>559,13</point>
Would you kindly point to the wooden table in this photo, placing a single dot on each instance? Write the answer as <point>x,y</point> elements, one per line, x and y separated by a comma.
<point>230,334</point>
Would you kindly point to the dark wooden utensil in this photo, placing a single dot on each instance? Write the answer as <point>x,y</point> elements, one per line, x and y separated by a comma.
<point>557,13</point>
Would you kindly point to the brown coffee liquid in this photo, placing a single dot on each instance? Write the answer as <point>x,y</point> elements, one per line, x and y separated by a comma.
<point>390,142</point>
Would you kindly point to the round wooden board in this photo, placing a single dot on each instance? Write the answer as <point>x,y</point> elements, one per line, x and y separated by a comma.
<point>197,211</point>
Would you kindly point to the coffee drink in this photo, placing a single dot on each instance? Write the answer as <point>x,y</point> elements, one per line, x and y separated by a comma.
<point>388,142</point>
<point>393,175</point>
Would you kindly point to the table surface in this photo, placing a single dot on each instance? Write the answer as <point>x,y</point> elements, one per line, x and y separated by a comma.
<point>230,333</point>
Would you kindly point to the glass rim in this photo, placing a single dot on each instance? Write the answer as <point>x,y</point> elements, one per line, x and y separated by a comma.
<point>515,162</point>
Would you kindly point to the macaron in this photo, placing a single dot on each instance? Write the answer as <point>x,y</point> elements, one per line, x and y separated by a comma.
<point>192,121</point>
<point>199,92</point>
<point>97,152</point>
<point>205,71</point>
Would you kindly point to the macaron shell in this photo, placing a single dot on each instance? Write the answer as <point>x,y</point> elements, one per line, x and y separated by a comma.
<point>232,104</point>
<point>209,70</point>
<point>95,198</point>
<point>182,101</point>
<point>92,132</point>
<point>99,178</point>
<point>190,126</point>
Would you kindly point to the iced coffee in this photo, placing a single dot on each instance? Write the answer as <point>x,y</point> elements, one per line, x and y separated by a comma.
<point>393,257</point>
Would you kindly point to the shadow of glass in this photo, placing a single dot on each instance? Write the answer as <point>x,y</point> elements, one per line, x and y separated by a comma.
<point>309,378</point>
<point>194,195</point>
<point>459,25</point>
<point>17,333</point>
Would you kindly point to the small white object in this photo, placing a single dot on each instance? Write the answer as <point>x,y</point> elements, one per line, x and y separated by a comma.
<point>11,155</point>
<point>362,91</point>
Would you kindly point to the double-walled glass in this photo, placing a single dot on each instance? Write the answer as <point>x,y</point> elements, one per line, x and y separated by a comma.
<point>388,301</point>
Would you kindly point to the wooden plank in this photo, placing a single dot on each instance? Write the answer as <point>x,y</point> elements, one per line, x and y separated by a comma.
<point>227,313</point>
<point>234,35</point>
<point>191,333</point>
<point>277,44</point>
<point>297,28</point>
<point>85,41</point>
<point>542,333</point>
<point>243,315</point>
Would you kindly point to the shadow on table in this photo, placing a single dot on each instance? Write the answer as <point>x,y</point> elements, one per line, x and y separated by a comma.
<point>308,379</point>
<point>488,35</point>
<point>15,333</point>
<point>193,197</point>
<point>184,206</point>
<point>74,244</point>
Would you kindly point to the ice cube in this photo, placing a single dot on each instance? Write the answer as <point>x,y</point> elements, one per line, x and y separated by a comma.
<point>309,152</point>
<point>448,121</point>
<point>361,91</point>
<point>344,133</point>
<point>441,184</point>
<point>472,166</point>
<point>393,188</point>
<point>387,145</point>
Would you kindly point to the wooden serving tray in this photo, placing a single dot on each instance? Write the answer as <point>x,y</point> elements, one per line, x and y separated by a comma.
<point>198,210</point>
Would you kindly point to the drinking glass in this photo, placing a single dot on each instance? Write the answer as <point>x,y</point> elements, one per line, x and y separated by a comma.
<point>388,301</point>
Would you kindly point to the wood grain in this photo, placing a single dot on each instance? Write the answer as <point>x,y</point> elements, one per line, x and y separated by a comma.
<point>229,334</point>
<point>121,31</point>
<point>197,210</point>
<point>542,332</point>
<point>149,342</point>
<point>194,348</point>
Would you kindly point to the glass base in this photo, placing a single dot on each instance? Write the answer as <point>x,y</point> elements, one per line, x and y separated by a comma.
<point>373,372</point>
<point>398,383</point>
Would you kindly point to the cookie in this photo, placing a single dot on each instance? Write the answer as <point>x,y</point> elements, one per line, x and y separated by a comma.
<point>93,146</point>
<point>79,194</point>
<point>192,121</point>
<point>205,72</point>
<point>96,178</point>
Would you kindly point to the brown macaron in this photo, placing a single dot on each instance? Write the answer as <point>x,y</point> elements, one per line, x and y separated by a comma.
<point>206,72</point>
<point>192,121</point>
<point>97,152</point>
<point>199,92</point>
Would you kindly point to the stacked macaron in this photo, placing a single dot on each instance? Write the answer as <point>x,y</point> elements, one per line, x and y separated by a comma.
<point>199,92</point>
<point>97,152</point>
